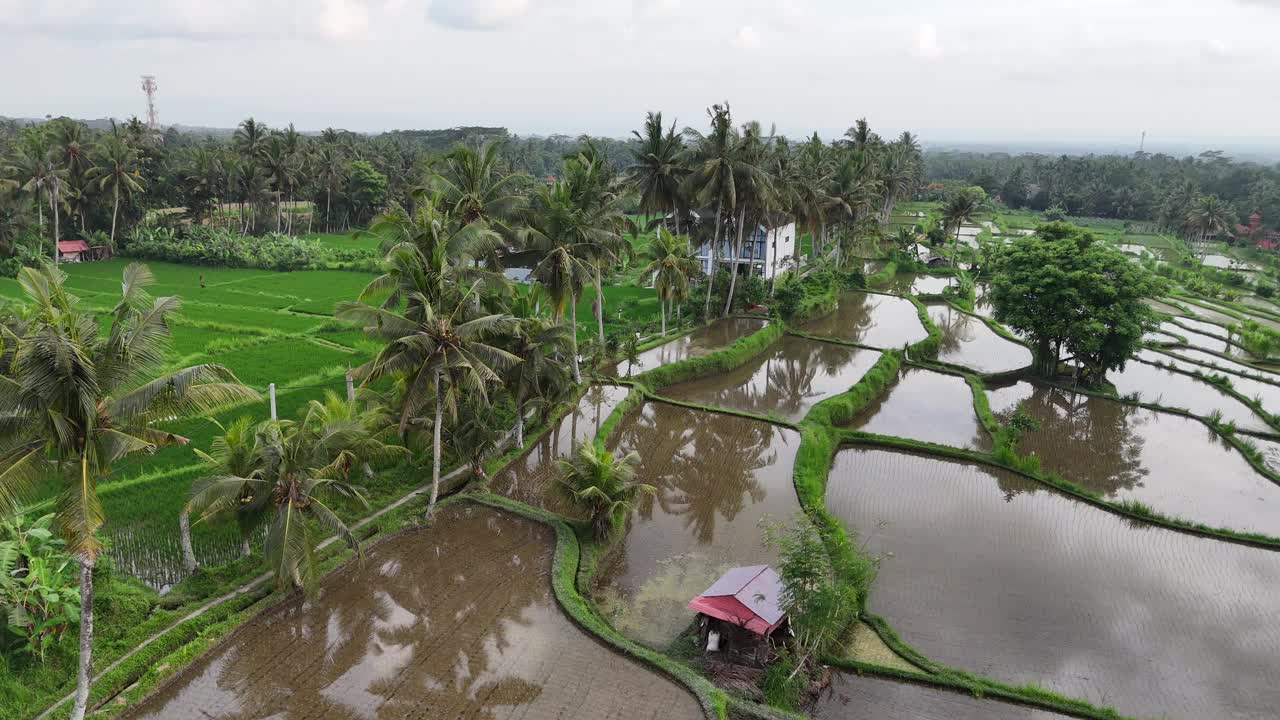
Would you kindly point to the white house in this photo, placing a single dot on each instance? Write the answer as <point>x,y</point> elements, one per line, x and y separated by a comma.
<point>767,248</point>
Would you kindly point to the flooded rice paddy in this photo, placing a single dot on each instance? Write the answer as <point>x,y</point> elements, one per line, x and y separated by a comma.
<point>1175,390</point>
<point>880,321</point>
<point>993,573</point>
<point>1162,307</point>
<point>716,477</point>
<point>1174,465</point>
<point>1234,366</point>
<point>967,341</point>
<point>1197,339</point>
<point>786,380</point>
<point>455,621</point>
<point>1204,326</point>
<point>531,478</point>
<point>699,342</point>
<point>926,405</point>
<point>866,697</point>
<point>918,284</point>
<point>1267,393</point>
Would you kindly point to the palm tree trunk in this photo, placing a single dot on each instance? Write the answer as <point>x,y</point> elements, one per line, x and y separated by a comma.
<point>573,333</point>
<point>955,246</point>
<point>599,307</point>
<point>53,208</point>
<point>662,312</point>
<point>435,448</point>
<point>85,667</point>
<point>245,550</point>
<point>733,261</point>
<point>184,529</point>
<point>328,207</point>
<point>711,274</point>
<point>115,210</point>
<point>519,423</point>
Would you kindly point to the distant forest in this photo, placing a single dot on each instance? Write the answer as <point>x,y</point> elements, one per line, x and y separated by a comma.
<point>1142,186</point>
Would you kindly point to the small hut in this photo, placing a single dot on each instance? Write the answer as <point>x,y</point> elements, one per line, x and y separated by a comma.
<point>740,612</point>
<point>80,251</point>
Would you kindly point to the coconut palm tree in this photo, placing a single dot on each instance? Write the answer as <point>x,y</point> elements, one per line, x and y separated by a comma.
<point>1207,217</point>
<point>118,170</point>
<point>329,171</point>
<point>76,400</point>
<point>671,263</point>
<point>438,343</point>
<point>960,209</point>
<point>281,168</point>
<point>295,467</point>
<point>599,198</point>
<point>539,343</point>
<point>37,169</point>
<point>810,192</point>
<point>602,485</point>
<point>657,170</point>
<point>711,181</point>
<point>754,189</point>
<point>234,452</point>
<point>473,188</point>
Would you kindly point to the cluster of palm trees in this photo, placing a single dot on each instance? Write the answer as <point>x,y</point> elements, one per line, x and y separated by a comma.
<point>66,175</point>
<point>740,178</point>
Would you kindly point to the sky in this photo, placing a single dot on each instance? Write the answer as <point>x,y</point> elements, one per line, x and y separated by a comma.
<point>991,71</point>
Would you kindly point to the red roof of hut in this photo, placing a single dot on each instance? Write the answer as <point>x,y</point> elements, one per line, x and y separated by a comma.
<point>745,596</point>
<point>70,246</point>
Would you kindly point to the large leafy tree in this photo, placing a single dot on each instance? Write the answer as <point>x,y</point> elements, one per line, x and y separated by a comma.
<point>75,399</point>
<point>1064,290</point>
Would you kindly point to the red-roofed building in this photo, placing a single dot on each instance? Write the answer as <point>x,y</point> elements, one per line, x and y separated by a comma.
<point>740,609</point>
<point>79,250</point>
<point>1258,235</point>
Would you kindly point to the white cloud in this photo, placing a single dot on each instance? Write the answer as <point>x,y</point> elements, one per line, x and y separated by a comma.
<point>655,10</point>
<point>926,45</point>
<point>747,38</point>
<point>478,14</point>
<point>343,19</point>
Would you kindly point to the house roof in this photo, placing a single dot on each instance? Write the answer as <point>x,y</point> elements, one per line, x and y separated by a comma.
<point>745,596</point>
<point>70,246</point>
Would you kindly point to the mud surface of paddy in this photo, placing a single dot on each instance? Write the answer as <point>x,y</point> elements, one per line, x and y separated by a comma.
<point>926,405</point>
<point>455,621</point>
<point>967,341</point>
<point>1175,390</point>
<point>993,573</point>
<point>880,321</point>
<point>705,339</point>
<point>1175,465</point>
<point>531,478</point>
<point>865,697</point>
<point>787,379</point>
<point>716,476</point>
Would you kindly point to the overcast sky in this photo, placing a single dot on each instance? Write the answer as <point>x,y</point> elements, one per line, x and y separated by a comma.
<point>949,70</point>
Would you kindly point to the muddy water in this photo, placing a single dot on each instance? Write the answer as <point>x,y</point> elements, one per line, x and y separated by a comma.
<point>967,341</point>
<point>918,284</point>
<point>1232,365</point>
<point>455,621</point>
<point>879,321</point>
<point>865,697</point>
<point>926,405</point>
<point>699,342</point>
<point>1253,389</point>
<point>531,478</point>
<point>1203,326</point>
<point>1212,316</point>
<point>1175,465</point>
<point>716,477</point>
<point>989,572</point>
<point>787,379</point>
<point>1162,307</point>
<point>1171,389</point>
<point>1197,339</point>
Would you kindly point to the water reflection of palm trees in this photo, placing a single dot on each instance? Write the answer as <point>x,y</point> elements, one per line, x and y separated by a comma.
<point>703,470</point>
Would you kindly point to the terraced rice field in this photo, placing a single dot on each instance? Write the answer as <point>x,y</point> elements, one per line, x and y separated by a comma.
<point>718,334</point>
<point>716,476</point>
<point>409,634</point>
<point>531,477</point>
<point>1208,358</point>
<point>968,342</point>
<point>926,405</point>
<point>918,284</point>
<point>988,571</point>
<point>875,320</point>
<point>1174,465</point>
<point>1197,339</point>
<point>785,380</point>
<point>1172,389</point>
<point>1267,393</point>
<point>865,697</point>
